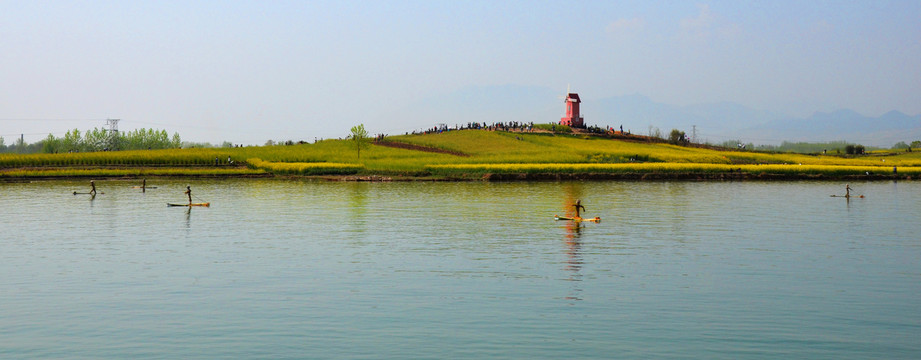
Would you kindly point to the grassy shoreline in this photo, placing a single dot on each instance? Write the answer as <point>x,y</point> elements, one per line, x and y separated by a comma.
<point>468,155</point>
<point>491,177</point>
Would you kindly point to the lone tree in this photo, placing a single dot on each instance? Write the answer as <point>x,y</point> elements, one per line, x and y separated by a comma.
<point>676,137</point>
<point>359,138</point>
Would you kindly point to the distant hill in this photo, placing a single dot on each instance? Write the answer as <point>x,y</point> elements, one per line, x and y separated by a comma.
<point>718,122</point>
<point>638,112</point>
<point>883,131</point>
<point>715,122</point>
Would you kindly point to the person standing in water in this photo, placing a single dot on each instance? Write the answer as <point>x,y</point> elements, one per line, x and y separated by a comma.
<point>578,206</point>
<point>188,191</point>
<point>847,190</point>
<point>93,185</point>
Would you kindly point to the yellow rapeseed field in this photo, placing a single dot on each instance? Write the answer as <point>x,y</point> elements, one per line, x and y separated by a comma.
<point>134,171</point>
<point>305,168</point>
<point>667,168</point>
<point>475,151</point>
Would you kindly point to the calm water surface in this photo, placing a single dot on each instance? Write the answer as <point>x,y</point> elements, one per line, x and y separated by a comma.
<point>292,269</point>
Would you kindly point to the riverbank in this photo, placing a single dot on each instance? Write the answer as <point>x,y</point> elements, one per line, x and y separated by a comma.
<point>518,177</point>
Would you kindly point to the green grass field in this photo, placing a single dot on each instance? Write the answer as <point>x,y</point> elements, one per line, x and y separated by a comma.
<point>466,152</point>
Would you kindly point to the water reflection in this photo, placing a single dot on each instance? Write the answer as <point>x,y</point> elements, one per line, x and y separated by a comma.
<point>358,205</point>
<point>572,193</point>
<point>680,207</point>
<point>574,249</point>
<point>271,267</point>
<point>358,197</point>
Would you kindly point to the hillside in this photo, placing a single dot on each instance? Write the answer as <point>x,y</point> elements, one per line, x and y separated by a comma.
<point>458,154</point>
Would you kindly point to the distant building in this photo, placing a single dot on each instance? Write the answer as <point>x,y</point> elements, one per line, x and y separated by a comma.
<point>572,118</point>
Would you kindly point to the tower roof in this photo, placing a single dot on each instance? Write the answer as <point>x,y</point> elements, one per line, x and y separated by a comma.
<point>574,97</point>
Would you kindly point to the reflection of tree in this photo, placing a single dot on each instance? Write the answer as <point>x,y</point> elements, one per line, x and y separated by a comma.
<point>680,207</point>
<point>358,197</point>
<point>358,204</point>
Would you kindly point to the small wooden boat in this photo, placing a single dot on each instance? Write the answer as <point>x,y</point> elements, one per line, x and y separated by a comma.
<point>845,196</point>
<point>87,193</point>
<point>577,219</point>
<point>192,204</point>
<point>142,187</point>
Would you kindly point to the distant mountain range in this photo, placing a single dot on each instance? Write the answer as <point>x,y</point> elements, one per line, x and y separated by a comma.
<point>882,131</point>
<point>714,122</point>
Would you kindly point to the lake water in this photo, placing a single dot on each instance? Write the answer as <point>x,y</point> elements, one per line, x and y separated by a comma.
<point>297,269</point>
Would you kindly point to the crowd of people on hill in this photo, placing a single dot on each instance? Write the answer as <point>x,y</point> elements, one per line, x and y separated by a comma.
<point>514,126</point>
<point>511,126</point>
<point>498,126</point>
<point>607,130</point>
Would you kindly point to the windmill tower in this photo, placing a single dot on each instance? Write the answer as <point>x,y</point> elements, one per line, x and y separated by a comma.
<point>572,117</point>
<point>112,141</point>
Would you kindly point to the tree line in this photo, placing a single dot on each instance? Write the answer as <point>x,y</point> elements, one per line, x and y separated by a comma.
<point>98,140</point>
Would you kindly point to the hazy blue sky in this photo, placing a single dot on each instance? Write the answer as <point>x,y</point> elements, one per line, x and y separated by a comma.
<point>249,71</point>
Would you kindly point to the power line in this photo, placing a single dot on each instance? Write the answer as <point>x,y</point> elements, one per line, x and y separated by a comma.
<point>30,134</point>
<point>47,119</point>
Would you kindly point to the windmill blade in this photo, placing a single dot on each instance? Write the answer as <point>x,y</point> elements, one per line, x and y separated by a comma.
<point>566,96</point>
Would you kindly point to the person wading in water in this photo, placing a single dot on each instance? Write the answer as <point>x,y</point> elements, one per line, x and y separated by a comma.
<point>93,190</point>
